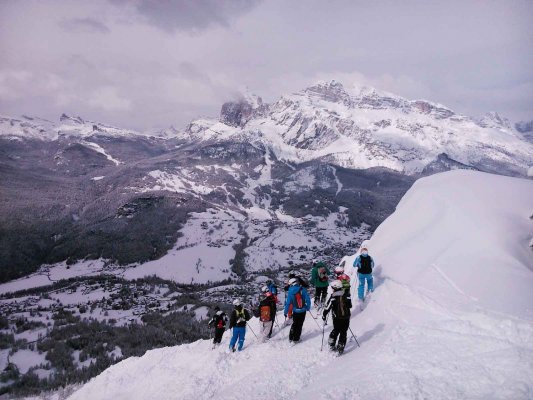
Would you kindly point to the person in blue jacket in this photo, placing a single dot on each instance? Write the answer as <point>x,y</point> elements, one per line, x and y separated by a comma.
<point>364,265</point>
<point>297,304</point>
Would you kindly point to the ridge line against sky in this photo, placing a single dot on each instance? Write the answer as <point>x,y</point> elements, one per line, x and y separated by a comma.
<point>143,64</point>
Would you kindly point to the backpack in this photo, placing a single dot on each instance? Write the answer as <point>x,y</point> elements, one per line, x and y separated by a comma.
<point>342,309</point>
<point>322,275</point>
<point>366,265</point>
<point>299,299</point>
<point>264,313</point>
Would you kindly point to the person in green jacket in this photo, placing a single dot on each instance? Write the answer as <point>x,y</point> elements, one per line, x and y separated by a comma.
<point>320,280</point>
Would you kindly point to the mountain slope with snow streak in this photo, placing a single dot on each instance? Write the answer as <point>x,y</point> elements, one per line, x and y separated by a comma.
<point>434,327</point>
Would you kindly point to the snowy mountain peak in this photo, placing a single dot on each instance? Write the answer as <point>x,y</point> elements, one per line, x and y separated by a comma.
<point>238,112</point>
<point>493,120</point>
<point>67,119</point>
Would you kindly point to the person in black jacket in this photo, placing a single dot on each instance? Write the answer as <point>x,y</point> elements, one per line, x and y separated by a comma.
<point>339,303</point>
<point>218,321</point>
<point>267,313</point>
<point>237,322</point>
<point>301,281</point>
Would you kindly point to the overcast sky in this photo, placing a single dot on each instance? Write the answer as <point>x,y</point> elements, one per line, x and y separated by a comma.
<point>143,64</point>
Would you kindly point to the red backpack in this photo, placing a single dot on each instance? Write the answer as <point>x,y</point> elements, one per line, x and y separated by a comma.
<point>299,299</point>
<point>264,312</point>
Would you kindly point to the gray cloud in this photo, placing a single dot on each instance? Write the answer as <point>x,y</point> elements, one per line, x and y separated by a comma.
<point>166,63</point>
<point>190,15</point>
<point>88,25</point>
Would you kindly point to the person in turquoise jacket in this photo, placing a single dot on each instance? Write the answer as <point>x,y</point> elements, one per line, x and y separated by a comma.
<point>297,303</point>
<point>364,265</point>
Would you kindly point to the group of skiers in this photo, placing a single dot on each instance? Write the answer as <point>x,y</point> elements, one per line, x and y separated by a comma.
<point>298,303</point>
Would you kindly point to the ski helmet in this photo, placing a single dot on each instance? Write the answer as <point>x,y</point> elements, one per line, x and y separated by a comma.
<point>336,285</point>
<point>237,302</point>
<point>339,270</point>
<point>217,308</point>
<point>293,281</point>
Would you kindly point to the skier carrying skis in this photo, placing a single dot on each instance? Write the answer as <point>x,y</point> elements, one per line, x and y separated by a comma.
<point>345,279</point>
<point>364,264</point>
<point>299,303</point>
<point>267,313</point>
<point>339,303</point>
<point>319,279</point>
<point>219,321</point>
<point>237,322</point>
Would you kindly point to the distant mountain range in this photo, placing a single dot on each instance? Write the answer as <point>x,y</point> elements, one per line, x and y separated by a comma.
<point>80,189</point>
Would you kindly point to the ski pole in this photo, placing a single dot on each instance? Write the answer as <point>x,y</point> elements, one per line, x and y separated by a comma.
<point>323,331</point>
<point>279,327</point>
<point>248,325</point>
<point>314,319</point>
<point>358,345</point>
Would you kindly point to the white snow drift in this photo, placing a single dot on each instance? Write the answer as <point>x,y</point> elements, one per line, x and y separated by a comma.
<point>450,318</point>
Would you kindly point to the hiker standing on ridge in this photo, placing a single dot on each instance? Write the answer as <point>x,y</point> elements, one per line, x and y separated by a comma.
<point>364,265</point>
<point>320,280</point>
<point>237,321</point>
<point>267,313</point>
<point>299,303</point>
<point>218,321</point>
<point>339,303</point>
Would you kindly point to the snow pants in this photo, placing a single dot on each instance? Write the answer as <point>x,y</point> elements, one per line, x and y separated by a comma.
<point>218,335</point>
<point>340,329</point>
<point>361,289</point>
<point>266,329</point>
<point>320,294</point>
<point>238,335</point>
<point>296,327</point>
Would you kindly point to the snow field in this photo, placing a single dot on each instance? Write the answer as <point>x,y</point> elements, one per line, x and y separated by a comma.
<point>434,327</point>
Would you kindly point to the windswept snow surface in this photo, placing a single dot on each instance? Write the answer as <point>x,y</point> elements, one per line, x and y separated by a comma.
<point>450,318</point>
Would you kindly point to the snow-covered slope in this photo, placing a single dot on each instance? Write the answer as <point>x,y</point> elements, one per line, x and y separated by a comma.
<point>451,316</point>
<point>42,129</point>
<point>364,127</point>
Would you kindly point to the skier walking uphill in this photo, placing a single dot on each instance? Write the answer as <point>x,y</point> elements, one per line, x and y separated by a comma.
<point>298,300</point>
<point>267,313</point>
<point>237,321</point>
<point>219,321</point>
<point>339,303</point>
<point>319,279</point>
<point>364,264</point>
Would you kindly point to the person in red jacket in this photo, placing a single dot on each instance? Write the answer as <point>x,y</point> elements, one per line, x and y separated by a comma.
<point>345,279</point>
<point>267,313</point>
<point>218,321</point>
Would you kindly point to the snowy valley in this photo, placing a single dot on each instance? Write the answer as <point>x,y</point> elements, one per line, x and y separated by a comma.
<point>108,234</point>
<point>437,326</point>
